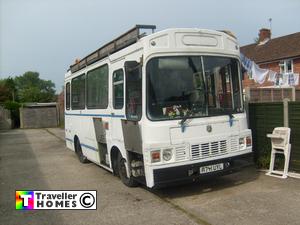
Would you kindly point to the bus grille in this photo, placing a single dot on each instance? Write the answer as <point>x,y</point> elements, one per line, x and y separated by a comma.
<point>234,142</point>
<point>211,149</point>
<point>180,153</point>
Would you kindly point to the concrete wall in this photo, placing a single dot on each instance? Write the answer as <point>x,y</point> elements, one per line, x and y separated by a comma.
<point>38,117</point>
<point>61,107</point>
<point>5,119</point>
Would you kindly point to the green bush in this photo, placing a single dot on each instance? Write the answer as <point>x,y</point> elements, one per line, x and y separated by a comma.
<point>11,105</point>
<point>263,161</point>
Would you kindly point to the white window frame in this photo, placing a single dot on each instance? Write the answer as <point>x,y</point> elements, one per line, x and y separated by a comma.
<point>283,66</point>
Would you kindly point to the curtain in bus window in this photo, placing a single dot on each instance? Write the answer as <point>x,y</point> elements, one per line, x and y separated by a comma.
<point>118,89</point>
<point>78,92</point>
<point>175,87</point>
<point>97,88</point>
<point>223,85</point>
<point>68,95</point>
<point>133,91</point>
<point>236,85</point>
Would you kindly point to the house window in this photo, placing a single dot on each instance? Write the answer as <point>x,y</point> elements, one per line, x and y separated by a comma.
<point>286,66</point>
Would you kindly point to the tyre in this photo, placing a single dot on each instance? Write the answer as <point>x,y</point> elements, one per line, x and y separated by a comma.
<point>123,173</point>
<point>79,153</point>
<point>115,165</point>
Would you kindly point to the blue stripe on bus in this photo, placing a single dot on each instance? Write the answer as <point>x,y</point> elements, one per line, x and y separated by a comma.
<point>69,139</point>
<point>100,115</point>
<point>89,147</point>
<point>84,145</point>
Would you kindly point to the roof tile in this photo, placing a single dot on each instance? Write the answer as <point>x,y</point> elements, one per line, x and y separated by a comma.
<point>275,49</point>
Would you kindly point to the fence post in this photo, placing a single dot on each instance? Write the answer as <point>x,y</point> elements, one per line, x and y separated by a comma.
<point>247,94</point>
<point>293,94</point>
<point>286,112</point>
<point>21,117</point>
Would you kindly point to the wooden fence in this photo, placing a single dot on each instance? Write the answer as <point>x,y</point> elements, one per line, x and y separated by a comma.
<point>272,94</point>
<point>264,117</point>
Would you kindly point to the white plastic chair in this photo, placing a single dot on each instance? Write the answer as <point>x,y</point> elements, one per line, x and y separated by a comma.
<point>280,140</point>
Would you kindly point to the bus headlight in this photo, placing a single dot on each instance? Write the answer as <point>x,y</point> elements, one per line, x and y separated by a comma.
<point>242,143</point>
<point>245,142</point>
<point>167,154</point>
<point>155,156</point>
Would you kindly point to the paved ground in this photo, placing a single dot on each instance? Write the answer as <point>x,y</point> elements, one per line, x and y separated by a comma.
<point>38,159</point>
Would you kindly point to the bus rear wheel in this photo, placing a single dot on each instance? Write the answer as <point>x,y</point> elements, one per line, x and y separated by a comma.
<point>78,150</point>
<point>128,181</point>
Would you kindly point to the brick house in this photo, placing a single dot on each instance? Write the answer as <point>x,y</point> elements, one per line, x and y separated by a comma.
<point>281,55</point>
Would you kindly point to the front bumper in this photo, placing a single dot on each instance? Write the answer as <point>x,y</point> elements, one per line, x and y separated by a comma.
<point>186,173</point>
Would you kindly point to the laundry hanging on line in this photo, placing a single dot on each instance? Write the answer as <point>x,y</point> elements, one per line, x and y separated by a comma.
<point>246,63</point>
<point>288,79</point>
<point>292,79</point>
<point>272,76</point>
<point>254,71</point>
<point>258,74</point>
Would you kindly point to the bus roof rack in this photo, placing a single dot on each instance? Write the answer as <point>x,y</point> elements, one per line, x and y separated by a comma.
<point>126,39</point>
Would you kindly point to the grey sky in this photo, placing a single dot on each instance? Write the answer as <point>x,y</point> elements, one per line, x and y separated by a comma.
<point>47,35</point>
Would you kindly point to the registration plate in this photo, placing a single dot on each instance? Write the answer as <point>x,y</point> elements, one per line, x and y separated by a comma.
<point>211,168</point>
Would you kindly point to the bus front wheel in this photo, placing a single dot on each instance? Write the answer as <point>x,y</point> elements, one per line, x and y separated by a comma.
<point>128,181</point>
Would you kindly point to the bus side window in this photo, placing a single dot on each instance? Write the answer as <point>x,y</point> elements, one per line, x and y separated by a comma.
<point>118,89</point>
<point>97,88</point>
<point>78,92</point>
<point>133,90</point>
<point>68,96</point>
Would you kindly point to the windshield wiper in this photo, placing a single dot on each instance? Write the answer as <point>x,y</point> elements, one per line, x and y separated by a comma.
<point>184,118</point>
<point>231,116</point>
<point>182,122</point>
<point>187,116</point>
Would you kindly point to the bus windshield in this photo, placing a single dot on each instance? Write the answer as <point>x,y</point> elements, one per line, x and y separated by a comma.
<point>192,86</point>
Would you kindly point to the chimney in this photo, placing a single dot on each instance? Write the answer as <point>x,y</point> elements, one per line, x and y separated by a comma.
<point>264,35</point>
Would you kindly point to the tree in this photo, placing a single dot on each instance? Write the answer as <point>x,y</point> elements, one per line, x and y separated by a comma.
<point>10,84</point>
<point>4,92</point>
<point>7,89</point>
<point>30,88</point>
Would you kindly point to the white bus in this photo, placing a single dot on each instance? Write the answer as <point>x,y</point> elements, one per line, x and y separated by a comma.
<point>160,108</point>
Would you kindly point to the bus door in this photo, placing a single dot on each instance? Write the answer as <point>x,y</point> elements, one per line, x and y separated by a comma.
<point>101,137</point>
<point>130,126</point>
<point>118,109</point>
